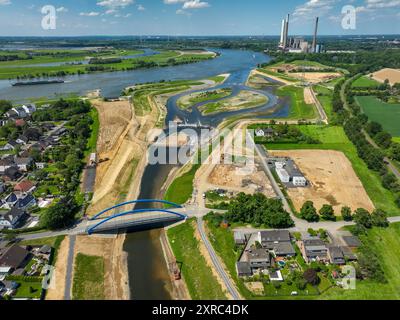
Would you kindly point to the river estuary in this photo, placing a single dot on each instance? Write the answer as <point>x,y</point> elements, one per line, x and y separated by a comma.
<point>148,274</point>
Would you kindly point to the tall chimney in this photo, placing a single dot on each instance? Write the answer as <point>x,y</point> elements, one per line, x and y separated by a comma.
<point>314,45</point>
<point>283,32</point>
<point>287,30</point>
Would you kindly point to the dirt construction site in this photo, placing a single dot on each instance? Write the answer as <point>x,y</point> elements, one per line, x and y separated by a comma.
<point>332,178</point>
<point>120,149</point>
<point>237,178</point>
<point>393,75</point>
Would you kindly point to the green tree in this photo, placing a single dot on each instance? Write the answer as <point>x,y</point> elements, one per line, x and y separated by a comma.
<point>347,214</point>
<point>311,276</point>
<point>327,212</point>
<point>362,217</point>
<point>309,213</point>
<point>379,218</point>
<point>61,215</point>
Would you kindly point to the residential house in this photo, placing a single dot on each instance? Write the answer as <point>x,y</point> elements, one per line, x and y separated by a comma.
<point>12,174</point>
<point>25,186</point>
<point>314,249</point>
<point>240,238</point>
<point>23,140</point>
<point>278,241</point>
<point>243,269</point>
<point>8,287</point>
<point>20,122</point>
<point>259,259</point>
<point>11,114</point>
<point>20,111</point>
<point>10,145</point>
<point>26,202</point>
<point>352,241</point>
<point>14,257</point>
<point>5,164</point>
<point>33,134</point>
<point>4,272</point>
<point>40,165</point>
<point>29,109</point>
<point>336,255</point>
<point>24,164</point>
<point>10,201</point>
<point>348,254</point>
<point>13,218</point>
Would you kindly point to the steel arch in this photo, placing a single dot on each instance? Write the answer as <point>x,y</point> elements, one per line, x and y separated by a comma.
<point>175,205</point>
<point>132,212</point>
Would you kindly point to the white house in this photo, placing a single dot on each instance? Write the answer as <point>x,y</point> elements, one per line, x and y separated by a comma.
<point>260,133</point>
<point>20,111</point>
<point>29,109</point>
<point>283,175</point>
<point>12,218</point>
<point>299,181</point>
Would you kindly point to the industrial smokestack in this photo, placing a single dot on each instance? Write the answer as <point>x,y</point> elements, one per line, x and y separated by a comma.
<point>283,32</point>
<point>287,30</point>
<point>314,45</point>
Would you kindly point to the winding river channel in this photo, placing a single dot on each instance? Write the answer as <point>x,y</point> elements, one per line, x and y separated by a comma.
<point>148,275</point>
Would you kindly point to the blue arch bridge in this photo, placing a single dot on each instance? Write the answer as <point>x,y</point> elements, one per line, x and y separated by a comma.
<point>114,218</point>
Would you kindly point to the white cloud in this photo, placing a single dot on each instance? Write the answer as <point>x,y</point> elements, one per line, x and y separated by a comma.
<point>62,9</point>
<point>314,8</point>
<point>89,14</point>
<point>195,4</point>
<point>141,8</point>
<point>115,3</point>
<point>4,2</point>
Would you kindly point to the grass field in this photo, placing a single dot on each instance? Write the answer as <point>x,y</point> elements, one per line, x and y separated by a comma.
<point>334,138</point>
<point>387,114</point>
<point>92,141</point>
<point>396,139</point>
<point>283,76</point>
<point>181,189</point>
<point>29,290</point>
<point>365,82</point>
<point>88,283</point>
<point>298,109</point>
<point>324,96</point>
<point>198,276</point>
<point>188,102</point>
<point>142,93</point>
<point>386,244</point>
<point>34,68</point>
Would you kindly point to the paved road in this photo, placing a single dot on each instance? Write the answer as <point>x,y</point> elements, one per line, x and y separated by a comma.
<point>217,263</point>
<point>320,108</point>
<point>70,265</point>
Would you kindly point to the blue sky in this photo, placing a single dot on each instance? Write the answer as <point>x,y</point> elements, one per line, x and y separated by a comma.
<point>195,17</point>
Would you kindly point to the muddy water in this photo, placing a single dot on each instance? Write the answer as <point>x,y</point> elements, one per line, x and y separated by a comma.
<point>148,273</point>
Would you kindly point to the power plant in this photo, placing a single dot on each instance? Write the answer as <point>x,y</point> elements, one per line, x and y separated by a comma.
<point>298,44</point>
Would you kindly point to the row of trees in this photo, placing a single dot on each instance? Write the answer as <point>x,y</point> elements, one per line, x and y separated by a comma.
<point>258,210</point>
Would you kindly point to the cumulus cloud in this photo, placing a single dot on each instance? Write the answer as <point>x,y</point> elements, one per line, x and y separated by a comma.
<point>89,14</point>
<point>4,2</point>
<point>62,9</point>
<point>188,5</point>
<point>141,8</point>
<point>314,7</point>
<point>115,3</point>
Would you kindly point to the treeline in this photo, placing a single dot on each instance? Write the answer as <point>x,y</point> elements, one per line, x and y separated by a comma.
<point>13,57</point>
<point>258,210</point>
<point>62,110</point>
<point>361,61</point>
<point>105,60</point>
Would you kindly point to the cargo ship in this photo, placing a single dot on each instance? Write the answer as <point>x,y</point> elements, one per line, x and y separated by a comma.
<point>33,83</point>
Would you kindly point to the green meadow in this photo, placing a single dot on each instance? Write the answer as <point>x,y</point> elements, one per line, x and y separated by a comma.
<point>387,114</point>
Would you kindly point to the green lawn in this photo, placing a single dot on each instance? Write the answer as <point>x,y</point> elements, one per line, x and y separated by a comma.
<point>30,290</point>
<point>198,276</point>
<point>298,109</point>
<point>365,82</point>
<point>334,138</point>
<point>396,139</point>
<point>88,282</point>
<point>283,76</point>
<point>387,114</point>
<point>386,244</point>
<point>202,97</point>
<point>181,189</point>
